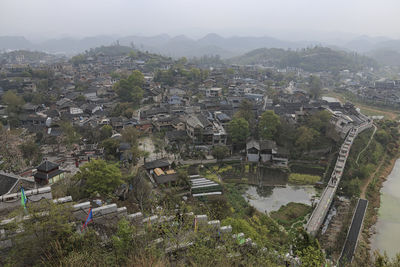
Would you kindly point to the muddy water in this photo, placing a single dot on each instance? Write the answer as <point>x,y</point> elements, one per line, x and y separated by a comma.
<point>269,198</point>
<point>387,227</point>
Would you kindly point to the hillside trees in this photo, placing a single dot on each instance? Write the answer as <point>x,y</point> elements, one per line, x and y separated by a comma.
<point>43,235</point>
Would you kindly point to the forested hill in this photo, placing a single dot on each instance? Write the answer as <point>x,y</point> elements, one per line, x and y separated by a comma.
<point>309,59</point>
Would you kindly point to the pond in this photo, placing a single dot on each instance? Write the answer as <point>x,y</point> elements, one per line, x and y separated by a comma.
<point>271,198</point>
<point>387,237</point>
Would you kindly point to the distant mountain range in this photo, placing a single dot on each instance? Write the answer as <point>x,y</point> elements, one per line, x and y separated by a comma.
<point>383,49</point>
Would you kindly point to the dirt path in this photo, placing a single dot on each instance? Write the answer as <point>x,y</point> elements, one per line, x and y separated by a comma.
<point>370,178</point>
<point>369,142</point>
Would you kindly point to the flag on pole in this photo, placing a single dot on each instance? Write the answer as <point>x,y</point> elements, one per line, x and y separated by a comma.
<point>23,198</point>
<point>89,219</point>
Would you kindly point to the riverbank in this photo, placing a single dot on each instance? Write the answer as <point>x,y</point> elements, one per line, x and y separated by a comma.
<point>364,253</point>
<point>385,235</point>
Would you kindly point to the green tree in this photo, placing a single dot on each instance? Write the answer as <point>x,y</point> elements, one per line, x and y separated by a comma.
<point>182,61</point>
<point>70,134</point>
<point>315,86</point>
<point>130,135</point>
<point>132,54</point>
<point>105,132</point>
<point>111,146</point>
<point>14,102</point>
<point>123,241</point>
<point>78,59</point>
<point>98,176</point>
<point>305,137</point>
<point>130,89</point>
<point>351,188</point>
<point>43,234</point>
<point>124,109</point>
<point>268,124</point>
<point>238,129</point>
<point>31,151</point>
<point>307,248</point>
<point>246,112</point>
<point>320,121</point>
<point>220,152</point>
<point>382,137</point>
<point>311,256</point>
<point>195,74</point>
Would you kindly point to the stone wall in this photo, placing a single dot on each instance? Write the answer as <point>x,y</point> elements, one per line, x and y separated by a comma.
<point>11,201</point>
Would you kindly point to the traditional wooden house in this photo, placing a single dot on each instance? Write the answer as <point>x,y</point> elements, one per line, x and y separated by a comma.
<point>48,173</point>
<point>260,151</point>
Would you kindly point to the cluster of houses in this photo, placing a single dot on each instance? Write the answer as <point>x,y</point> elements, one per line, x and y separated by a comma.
<point>198,117</point>
<point>384,92</point>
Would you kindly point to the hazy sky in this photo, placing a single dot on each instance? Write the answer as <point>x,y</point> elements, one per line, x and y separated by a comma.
<point>56,18</point>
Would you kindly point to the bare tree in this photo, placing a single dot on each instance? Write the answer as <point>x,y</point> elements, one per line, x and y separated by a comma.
<point>141,190</point>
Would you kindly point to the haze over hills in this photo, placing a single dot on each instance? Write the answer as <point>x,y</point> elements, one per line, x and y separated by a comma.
<point>382,49</point>
<point>310,59</point>
<point>176,46</point>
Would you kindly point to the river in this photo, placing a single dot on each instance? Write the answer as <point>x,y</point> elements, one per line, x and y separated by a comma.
<point>387,237</point>
<point>271,198</point>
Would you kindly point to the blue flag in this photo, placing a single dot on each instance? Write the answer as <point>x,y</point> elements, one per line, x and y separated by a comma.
<point>89,219</point>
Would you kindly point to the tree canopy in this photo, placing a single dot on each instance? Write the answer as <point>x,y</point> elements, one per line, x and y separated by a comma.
<point>98,176</point>
<point>14,102</point>
<point>238,129</point>
<point>130,89</point>
<point>220,152</point>
<point>268,124</point>
<point>305,137</point>
<point>315,86</point>
<point>246,112</point>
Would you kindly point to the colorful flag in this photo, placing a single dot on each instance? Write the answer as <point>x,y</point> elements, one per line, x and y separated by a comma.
<point>23,198</point>
<point>89,219</point>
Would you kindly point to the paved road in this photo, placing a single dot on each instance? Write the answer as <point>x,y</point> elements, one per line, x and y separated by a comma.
<point>354,231</point>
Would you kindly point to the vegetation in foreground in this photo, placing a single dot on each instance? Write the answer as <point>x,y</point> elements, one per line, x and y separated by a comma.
<point>291,213</point>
